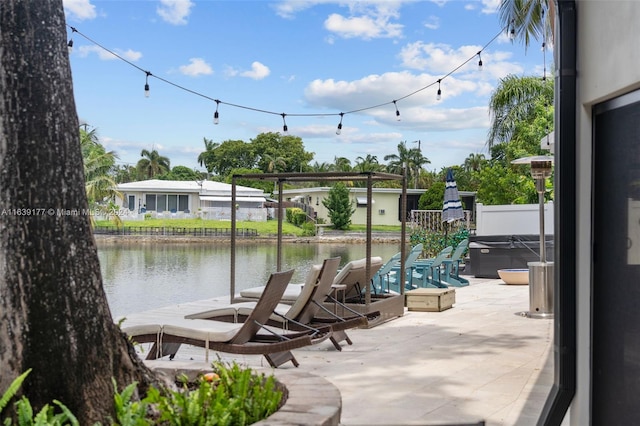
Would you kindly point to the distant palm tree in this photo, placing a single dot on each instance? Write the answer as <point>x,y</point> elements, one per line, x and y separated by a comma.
<point>367,164</point>
<point>341,164</point>
<point>152,164</point>
<point>206,157</point>
<point>273,163</point>
<point>474,162</point>
<point>411,159</point>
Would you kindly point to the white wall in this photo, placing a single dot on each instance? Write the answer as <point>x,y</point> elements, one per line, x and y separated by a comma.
<point>513,219</point>
<point>608,58</point>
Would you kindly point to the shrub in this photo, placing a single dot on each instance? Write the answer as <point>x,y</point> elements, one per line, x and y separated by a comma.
<point>434,242</point>
<point>232,396</point>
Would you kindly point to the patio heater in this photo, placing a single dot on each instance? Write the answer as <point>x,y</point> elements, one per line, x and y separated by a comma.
<point>540,273</point>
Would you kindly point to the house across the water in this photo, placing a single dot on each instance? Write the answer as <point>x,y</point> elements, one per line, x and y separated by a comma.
<point>189,199</point>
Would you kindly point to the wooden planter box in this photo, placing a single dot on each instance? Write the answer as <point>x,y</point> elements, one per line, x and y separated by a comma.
<point>430,299</point>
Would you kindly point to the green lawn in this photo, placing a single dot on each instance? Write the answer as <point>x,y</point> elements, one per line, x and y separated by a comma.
<point>269,227</point>
<point>263,228</point>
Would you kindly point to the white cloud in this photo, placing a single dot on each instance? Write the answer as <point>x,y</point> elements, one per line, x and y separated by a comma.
<point>442,58</point>
<point>432,23</point>
<point>366,27</point>
<point>196,67</point>
<point>490,6</point>
<point>79,9</point>
<point>175,11</point>
<point>258,71</point>
<point>86,50</point>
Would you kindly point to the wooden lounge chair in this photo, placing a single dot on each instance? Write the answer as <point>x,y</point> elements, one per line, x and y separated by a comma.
<point>303,315</point>
<point>354,278</point>
<point>236,338</point>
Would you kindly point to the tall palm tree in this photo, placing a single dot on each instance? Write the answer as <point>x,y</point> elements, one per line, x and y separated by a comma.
<point>411,159</point>
<point>341,164</point>
<point>206,157</point>
<point>516,100</point>
<point>152,164</point>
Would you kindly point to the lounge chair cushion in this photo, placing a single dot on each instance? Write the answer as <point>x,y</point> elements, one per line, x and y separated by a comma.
<point>291,293</point>
<point>204,330</point>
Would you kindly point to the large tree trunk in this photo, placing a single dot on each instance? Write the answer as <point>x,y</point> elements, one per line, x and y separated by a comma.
<point>54,316</point>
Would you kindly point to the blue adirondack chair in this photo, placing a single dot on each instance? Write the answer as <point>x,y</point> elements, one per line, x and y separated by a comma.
<point>380,281</point>
<point>428,274</point>
<point>409,267</point>
<point>451,266</point>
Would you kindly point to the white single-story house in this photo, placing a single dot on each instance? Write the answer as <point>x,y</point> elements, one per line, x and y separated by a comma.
<point>385,202</point>
<point>179,199</point>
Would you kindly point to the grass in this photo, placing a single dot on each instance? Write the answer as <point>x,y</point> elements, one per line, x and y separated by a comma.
<point>269,227</point>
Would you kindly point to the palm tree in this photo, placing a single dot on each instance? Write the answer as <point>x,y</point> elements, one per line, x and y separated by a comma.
<point>341,164</point>
<point>474,162</point>
<point>411,159</point>
<point>527,19</point>
<point>152,164</point>
<point>206,157</point>
<point>367,164</point>
<point>516,100</point>
<point>274,162</point>
<point>100,186</point>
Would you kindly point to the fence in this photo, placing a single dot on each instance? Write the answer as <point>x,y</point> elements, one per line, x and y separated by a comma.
<point>431,220</point>
<point>173,231</point>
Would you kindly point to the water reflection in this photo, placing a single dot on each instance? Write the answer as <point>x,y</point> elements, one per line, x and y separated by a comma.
<point>148,276</point>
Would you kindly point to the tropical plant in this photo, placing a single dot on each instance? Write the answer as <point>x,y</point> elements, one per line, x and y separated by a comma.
<point>339,206</point>
<point>182,173</point>
<point>407,159</point>
<point>207,157</point>
<point>516,100</point>
<point>152,164</point>
<point>528,19</point>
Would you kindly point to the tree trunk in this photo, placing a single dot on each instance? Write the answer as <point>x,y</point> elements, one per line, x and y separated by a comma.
<point>54,316</point>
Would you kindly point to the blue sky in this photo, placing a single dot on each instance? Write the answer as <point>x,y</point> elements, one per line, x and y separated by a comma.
<point>316,58</point>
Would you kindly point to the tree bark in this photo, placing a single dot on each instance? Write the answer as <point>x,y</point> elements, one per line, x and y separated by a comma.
<point>54,316</point>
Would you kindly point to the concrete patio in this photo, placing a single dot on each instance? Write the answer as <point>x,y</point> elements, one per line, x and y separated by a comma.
<point>481,360</point>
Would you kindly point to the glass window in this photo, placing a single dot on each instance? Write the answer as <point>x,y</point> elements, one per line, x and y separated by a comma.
<point>162,203</point>
<point>150,202</point>
<point>172,203</point>
<point>183,202</point>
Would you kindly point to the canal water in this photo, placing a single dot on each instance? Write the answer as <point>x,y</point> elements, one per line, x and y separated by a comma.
<point>139,277</point>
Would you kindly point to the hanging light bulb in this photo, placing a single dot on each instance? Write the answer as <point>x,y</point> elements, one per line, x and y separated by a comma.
<point>70,45</point>
<point>512,32</point>
<point>479,62</point>
<point>285,129</point>
<point>216,116</point>
<point>397,112</point>
<point>339,131</point>
<point>439,95</point>
<point>146,85</point>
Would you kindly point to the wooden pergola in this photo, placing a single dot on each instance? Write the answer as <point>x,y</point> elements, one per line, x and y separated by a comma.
<point>281,178</point>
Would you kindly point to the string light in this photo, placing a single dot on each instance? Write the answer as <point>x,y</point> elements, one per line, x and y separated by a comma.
<point>70,43</point>
<point>285,129</point>
<point>512,31</point>
<point>479,61</point>
<point>148,74</point>
<point>216,116</point>
<point>146,84</point>
<point>397,112</point>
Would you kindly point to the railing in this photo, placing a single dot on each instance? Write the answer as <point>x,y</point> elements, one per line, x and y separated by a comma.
<point>174,231</point>
<point>431,220</point>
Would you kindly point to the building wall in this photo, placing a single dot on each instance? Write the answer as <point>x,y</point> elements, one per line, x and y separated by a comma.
<point>607,66</point>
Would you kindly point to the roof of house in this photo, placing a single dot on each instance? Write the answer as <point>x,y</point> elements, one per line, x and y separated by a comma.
<point>205,187</point>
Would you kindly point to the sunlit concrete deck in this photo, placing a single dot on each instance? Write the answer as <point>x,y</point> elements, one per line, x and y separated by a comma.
<point>480,360</point>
